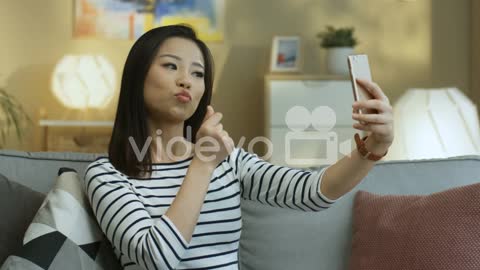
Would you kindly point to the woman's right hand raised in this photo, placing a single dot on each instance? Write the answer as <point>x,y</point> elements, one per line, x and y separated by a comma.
<point>213,144</point>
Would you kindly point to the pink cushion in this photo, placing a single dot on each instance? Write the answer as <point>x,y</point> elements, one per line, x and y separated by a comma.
<point>436,231</point>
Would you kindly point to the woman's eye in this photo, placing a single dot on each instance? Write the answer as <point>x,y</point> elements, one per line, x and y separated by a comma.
<point>198,74</point>
<point>170,65</point>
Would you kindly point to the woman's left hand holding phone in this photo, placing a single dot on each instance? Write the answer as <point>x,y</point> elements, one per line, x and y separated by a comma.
<point>377,117</point>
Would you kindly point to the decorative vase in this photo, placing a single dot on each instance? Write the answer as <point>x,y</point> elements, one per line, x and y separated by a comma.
<point>337,60</point>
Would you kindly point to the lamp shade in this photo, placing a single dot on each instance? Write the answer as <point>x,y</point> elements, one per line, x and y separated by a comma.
<point>84,81</point>
<point>435,123</point>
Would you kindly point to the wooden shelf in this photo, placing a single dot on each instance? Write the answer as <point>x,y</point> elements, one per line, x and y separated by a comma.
<point>62,136</point>
<point>305,77</point>
<point>67,123</point>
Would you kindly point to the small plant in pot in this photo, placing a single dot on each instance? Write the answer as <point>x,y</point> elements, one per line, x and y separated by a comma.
<point>12,116</point>
<point>339,43</point>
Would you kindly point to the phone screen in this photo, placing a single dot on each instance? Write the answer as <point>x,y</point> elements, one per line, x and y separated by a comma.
<point>359,69</point>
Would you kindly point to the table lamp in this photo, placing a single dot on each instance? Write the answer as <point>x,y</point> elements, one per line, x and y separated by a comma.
<point>434,123</point>
<point>84,81</point>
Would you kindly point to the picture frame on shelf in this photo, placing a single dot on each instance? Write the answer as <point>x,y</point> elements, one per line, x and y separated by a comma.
<point>286,54</point>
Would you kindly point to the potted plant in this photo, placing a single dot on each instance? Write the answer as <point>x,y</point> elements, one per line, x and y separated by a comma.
<point>339,44</point>
<point>12,115</point>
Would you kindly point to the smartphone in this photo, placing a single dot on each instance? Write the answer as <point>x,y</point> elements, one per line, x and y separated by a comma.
<point>359,69</point>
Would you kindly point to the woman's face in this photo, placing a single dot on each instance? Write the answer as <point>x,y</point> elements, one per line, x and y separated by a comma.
<point>178,67</point>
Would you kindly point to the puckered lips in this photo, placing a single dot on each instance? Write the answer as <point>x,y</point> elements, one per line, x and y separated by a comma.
<point>183,96</point>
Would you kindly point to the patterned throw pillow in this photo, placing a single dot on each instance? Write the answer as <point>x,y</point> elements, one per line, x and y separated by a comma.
<point>436,231</point>
<point>64,233</point>
<point>15,220</point>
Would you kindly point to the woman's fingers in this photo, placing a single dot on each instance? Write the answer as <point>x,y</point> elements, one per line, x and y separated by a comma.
<point>382,130</point>
<point>208,114</point>
<point>377,113</point>
<point>362,127</point>
<point>373,104</point>
<point>372,118</point>
<point>213,120</point>
<point>229,144</point>
<point>227,141</point>
<point>373,89</point>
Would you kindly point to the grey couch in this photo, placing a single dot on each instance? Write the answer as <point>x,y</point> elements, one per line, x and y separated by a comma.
<point>272,238</point>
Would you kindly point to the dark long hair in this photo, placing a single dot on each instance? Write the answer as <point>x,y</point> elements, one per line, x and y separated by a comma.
<point>131,116</point>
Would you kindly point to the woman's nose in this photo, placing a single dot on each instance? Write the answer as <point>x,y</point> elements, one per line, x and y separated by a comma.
<point>184,83</point>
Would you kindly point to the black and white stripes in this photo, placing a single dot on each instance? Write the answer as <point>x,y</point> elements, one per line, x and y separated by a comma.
<point>279,186</point>
<point>130,211</point>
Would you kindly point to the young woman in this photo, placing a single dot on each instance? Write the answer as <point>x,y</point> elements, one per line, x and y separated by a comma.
<point>167,205</point>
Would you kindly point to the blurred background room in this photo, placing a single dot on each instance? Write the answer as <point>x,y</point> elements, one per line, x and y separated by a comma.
<point>61,62</point>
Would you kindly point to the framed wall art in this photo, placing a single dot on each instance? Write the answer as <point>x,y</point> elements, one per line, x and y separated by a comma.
<point>129,19</point>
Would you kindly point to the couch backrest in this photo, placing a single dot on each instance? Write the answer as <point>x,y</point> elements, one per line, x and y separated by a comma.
<point>274,238</point>
<point>38,170</point>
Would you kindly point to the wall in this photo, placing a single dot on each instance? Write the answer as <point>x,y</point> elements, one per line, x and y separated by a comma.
<point>451,43</point>
<point>422,43</point>
<point>475,59</point>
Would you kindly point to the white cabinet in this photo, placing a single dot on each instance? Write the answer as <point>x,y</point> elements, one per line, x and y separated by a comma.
<point>308,145</point>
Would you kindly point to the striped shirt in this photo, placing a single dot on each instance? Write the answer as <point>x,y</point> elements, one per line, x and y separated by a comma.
<point>131,211</point>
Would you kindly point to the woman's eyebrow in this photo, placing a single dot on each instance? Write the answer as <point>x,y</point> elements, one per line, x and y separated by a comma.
<point>178,58</point>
